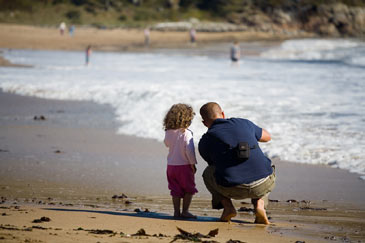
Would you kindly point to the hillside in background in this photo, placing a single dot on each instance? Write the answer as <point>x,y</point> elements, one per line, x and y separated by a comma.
<point>326,18</point>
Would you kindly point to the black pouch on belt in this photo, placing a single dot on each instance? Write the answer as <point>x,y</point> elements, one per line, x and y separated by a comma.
<point>243,150</point>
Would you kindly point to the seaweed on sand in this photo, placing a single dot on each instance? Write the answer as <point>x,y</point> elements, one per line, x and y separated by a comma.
<point>196,237</point>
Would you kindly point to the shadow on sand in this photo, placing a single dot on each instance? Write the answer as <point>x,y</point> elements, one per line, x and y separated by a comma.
<point>152,215</point>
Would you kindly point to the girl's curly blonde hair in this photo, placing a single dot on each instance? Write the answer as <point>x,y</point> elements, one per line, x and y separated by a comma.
<point>179,116</point>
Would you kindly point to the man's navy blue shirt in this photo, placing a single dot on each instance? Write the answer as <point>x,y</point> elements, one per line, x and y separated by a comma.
<point>214,147</point>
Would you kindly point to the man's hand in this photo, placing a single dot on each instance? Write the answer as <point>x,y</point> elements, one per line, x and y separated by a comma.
<point>265,137</point>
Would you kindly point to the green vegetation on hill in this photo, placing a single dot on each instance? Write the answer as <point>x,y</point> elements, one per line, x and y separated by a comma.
<point>134,13</point>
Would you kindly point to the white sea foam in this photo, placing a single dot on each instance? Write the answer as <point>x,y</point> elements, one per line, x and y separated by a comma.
<point>319,50</point>
<point>311,98</point>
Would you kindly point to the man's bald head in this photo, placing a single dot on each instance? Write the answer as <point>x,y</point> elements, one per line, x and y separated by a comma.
<point>210,112</point>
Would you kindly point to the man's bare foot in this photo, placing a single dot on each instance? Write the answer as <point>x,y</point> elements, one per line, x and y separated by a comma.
<point>188,215</point>
<point>228,214</point>
<point>261,217</point>
<point>177,215</point>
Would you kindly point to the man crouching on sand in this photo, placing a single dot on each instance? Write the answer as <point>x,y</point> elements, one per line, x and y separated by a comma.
<point>237,168</point>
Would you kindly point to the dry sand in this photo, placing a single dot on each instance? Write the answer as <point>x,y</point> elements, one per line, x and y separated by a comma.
<point>31,37</point>
<point>67,168</point>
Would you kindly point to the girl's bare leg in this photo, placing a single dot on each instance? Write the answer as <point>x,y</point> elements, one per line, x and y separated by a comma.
<point>176,203</point>
<point>186,204</point>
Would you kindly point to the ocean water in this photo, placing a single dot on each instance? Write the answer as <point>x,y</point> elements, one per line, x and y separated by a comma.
<point>309,94</point>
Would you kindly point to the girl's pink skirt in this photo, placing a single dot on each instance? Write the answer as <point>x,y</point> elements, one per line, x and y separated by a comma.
<point>181,180</point>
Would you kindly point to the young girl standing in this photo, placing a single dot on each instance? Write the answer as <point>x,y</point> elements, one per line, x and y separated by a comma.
<point>181,159</point>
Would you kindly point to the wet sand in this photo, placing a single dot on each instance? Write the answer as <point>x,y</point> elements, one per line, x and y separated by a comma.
<point>73,162</point>
<point>6,63</point>
<point>100,225</point>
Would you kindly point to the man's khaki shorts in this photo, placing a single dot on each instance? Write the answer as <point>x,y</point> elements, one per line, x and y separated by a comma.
<point>239,192</point>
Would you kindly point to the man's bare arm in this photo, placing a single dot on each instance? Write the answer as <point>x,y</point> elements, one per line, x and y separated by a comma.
<point>265,137</point>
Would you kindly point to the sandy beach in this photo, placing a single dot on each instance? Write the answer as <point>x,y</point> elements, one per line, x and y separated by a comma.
<point>67,169</point>
<point>47,38</point>
<point>66,175</point>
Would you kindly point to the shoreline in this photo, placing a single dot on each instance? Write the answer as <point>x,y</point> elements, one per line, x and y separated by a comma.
<point>68,139</point>
<point>6,63</point>
<point>128,40</point>
<point>63,169</point>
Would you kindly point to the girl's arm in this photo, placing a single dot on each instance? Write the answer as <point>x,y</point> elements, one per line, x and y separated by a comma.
<point>165,139</point>
<point>193,167</point>
<point>190,148</point>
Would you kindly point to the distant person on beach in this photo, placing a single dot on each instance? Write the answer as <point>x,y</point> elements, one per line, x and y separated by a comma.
<point>181,158</point>
<point>87,54</point>
<point>235,52</point>
<point>71,30</point>
<point>192,35</point>
<point>146,36</point>
<point>237,168</point>
<point>62,28</point>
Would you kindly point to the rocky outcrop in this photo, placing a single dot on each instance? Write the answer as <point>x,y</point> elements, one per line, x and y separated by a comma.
<point>334,20</point>
<point>326,20</point>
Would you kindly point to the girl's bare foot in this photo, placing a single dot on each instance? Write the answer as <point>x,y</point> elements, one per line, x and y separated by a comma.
<point>177,215</point>
<point>188,215</point>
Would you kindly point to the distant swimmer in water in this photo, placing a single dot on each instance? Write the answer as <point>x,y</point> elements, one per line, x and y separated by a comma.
<point>235,52</point>
<point>87,55</point>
